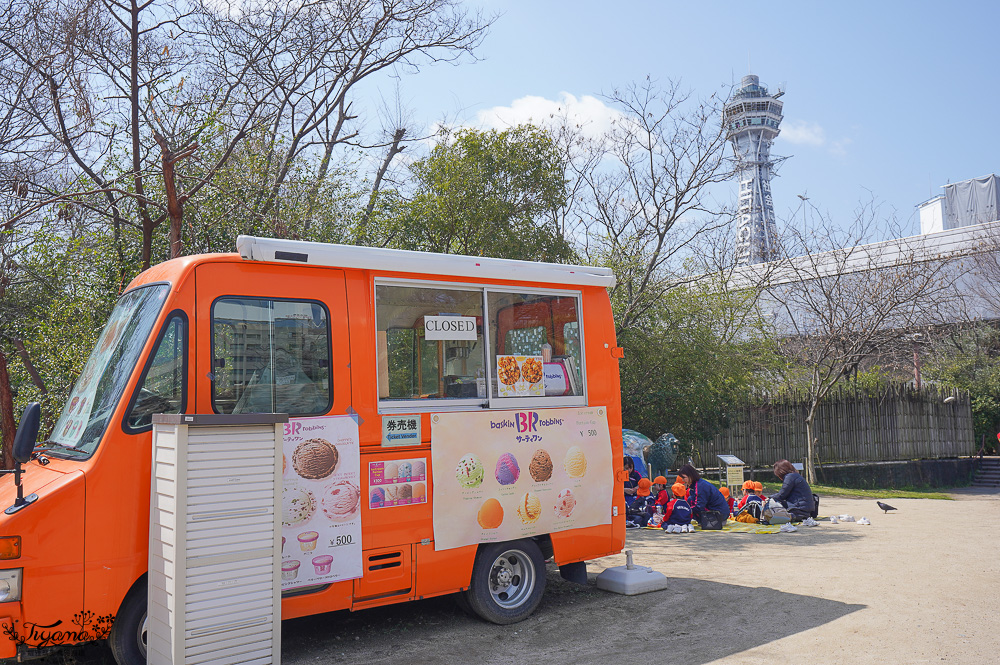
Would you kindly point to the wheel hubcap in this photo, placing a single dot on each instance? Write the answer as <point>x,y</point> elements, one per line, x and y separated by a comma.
<point>141,634</point>
<point>512,579</point>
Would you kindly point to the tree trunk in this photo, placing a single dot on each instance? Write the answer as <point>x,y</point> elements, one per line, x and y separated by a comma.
<point>810,449</point>
<point>8,426</point>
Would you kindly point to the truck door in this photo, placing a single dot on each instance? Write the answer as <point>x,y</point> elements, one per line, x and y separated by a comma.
<point>272,338</point>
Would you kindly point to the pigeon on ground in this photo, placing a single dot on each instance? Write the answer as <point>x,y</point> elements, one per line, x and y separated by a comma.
<point>885,507</point>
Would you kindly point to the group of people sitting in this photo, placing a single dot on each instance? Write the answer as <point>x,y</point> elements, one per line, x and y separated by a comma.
<point>692,498</point>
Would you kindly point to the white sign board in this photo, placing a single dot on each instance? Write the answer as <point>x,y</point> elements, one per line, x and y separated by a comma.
<point>450,328</point>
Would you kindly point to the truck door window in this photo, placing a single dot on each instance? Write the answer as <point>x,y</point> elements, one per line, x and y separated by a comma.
<point>535,345</point>
<point>162,388</point>
<point>430,343</point>
<point>270,356</point>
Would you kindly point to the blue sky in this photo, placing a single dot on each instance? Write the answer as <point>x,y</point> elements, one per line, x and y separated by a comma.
<point>891,99</point>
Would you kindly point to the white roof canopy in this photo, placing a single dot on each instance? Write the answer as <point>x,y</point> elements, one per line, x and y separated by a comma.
<point>397,260</point>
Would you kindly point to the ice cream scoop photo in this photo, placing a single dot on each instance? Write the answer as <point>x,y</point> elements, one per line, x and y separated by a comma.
<point>377,496</point>
<point>405,492</point>
<point>490,514</point>
<point>541,466</point>
<point>419,468</point>
<point>405,470</point>
<point>575,462</point>
<point>315,459</point>
<point>507,470</point>
<point>340,502</point>
<point>565,503</point>
<point>419,492</point>
<point>297,505</point>
<point>469,472</point>
<point>529,508</point>
<point>389,471</point>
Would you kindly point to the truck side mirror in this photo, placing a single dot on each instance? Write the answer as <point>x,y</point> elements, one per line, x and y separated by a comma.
<point>27,432</point>
<point>24,445</point>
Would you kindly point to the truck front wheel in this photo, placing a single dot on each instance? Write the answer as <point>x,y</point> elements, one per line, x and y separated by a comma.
<point>508,580</point>
<point>128,633</point>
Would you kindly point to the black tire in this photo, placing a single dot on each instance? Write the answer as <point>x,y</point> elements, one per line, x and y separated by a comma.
<point>128,633</point>
<point>508,580</point>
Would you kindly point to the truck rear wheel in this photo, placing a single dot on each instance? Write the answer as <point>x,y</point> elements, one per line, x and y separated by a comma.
<point>128,633</point>
<point>508,580</point>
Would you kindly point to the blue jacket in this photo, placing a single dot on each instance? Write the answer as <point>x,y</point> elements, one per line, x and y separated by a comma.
<point>703,495</point>
<point>796,495</point>
<point>680,512</point>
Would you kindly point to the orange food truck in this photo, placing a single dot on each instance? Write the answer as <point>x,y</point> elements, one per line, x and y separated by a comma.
<point>482,396</point>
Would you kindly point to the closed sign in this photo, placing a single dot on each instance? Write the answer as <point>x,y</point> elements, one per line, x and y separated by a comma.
<point>450,328</point>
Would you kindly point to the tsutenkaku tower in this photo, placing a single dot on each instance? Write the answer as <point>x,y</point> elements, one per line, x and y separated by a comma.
<point>751,122</point>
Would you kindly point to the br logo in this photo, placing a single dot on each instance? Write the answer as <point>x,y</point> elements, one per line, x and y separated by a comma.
<point>292,429</point>
<point>527,421</point>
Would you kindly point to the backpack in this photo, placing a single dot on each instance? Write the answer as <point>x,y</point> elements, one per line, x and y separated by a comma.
<point>775,513</point>
<point>750,513</point>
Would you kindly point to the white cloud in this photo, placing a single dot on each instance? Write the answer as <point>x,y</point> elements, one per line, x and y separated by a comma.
<point>592,115</point>
<point>800,132</point>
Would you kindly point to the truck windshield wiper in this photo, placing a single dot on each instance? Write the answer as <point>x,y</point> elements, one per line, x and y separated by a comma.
<point>60,448</point>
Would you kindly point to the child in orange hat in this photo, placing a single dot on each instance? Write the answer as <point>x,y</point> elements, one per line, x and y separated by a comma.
<point>638,513</point>
<point>750,506</point>
<point>677,514</point>
<point>729,499</point>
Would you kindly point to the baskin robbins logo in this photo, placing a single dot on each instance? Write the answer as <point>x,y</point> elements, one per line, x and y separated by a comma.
<point>525,421</point>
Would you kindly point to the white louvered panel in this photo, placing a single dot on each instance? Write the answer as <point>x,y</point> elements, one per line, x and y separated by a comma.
<point>215,542</point>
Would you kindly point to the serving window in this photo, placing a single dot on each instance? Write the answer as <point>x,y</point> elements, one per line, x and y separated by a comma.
<point>535,348</point>
<point>430,344</point>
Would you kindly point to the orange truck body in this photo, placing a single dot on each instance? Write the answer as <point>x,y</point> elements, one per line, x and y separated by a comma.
<point>85,541</point>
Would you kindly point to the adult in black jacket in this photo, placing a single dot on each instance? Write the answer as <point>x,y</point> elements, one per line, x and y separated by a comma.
<point>795,494</point>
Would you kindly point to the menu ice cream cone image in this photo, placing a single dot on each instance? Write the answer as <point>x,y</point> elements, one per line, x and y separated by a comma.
<point>529,508</point>
<point>565,503</point>
<point>469,472</point>
<point>490,514</point>
<point>575,463</point>
<point>507,469</point>
<point>541,466</point>
<point>321,502</point>
<point>567,482</point>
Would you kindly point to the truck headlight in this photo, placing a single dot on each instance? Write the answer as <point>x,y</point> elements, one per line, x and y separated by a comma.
<point>10,585</point>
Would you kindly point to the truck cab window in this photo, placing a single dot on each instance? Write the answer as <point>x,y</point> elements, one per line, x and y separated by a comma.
<point>270,356</point>
<point>162,388</point>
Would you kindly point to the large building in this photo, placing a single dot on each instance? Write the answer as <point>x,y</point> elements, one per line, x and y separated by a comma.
<point>966,203</point>
<point>751,122</point>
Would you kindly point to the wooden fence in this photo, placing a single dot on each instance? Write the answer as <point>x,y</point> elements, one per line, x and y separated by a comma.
<point>900,423</point>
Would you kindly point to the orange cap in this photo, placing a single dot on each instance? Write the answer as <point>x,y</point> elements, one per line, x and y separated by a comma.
<point>644,483</point>
<point>759,486</point>
<point>679,489</point>
<point>748,485</point>
<point>725,491</point>
<point>659,480</point>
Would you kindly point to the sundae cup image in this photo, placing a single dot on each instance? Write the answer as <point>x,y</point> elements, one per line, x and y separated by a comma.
<point>419,468</point>
<point>307,540</point>
<point>290,569</point>
<point>529,509</point>
<point>392,493</point>
<point>565,503</point>
<point>297,505</point>
<point>507,469</point>
<point>405,492</point>
<point>419,492</point>
<point>340,502</point>
<point>470,471</point>
<point>541,466</point>
<point>377,496</point>
<point>322,564</point>
<point>389,471</point>
<point>490,514</point>
<point>575,463</point>
<point>315,459</point>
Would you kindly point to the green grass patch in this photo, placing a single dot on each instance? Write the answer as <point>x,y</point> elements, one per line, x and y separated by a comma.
<point>852,493</point>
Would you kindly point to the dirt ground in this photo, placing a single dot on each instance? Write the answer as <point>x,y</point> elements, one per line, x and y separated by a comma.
<point>919,585</point>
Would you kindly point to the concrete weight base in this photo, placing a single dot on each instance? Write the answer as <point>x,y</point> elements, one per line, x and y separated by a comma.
<point>630,579</point>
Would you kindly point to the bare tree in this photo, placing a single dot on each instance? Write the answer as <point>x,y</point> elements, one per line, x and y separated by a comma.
<point>841,301</point>
<point>127,96</point>
<point>645,189</point>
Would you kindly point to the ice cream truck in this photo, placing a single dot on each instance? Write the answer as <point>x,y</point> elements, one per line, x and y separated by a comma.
<point>454,423</point>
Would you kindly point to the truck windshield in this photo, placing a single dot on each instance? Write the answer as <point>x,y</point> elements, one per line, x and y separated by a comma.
<point>101,384</point>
